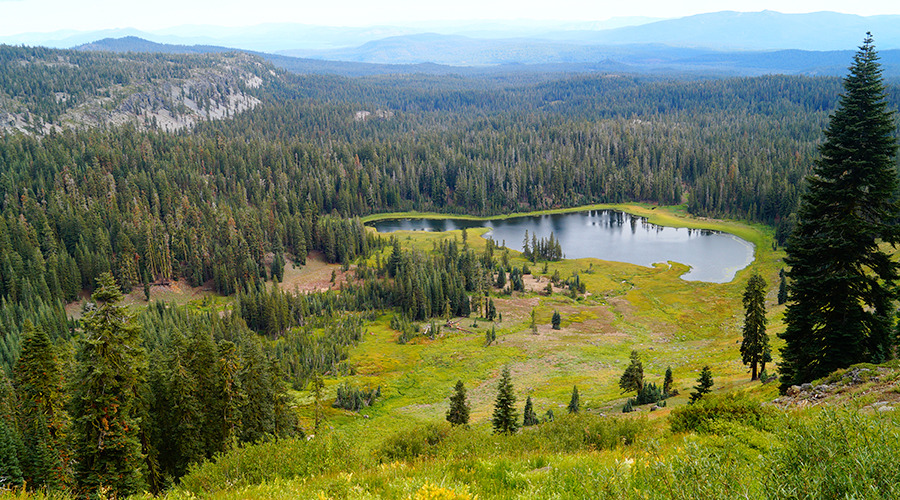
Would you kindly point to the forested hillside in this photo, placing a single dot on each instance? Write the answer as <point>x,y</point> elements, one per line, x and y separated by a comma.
<point>44,89</point>
<point>227,203</point>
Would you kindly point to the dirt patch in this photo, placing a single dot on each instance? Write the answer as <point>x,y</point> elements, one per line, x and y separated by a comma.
<point>315,275</point>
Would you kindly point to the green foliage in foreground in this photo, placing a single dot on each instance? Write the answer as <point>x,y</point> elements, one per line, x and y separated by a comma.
<point>743,450</point>
<point>723,448</point>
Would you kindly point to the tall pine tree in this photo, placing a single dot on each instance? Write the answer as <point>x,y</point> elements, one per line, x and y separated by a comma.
<point>505,418</point>
<point>106,427</point>
<point>842,286</point>
<point>39,385</point>
<point>458,414</point>
<point>756,341</point>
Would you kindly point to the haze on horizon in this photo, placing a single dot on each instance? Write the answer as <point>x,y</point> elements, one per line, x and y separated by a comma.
<point>45,16</point>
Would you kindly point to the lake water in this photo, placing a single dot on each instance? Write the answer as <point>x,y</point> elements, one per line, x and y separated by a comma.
<point>609,235</point>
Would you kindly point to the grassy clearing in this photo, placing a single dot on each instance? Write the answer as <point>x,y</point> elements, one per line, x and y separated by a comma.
<point>672,322</point>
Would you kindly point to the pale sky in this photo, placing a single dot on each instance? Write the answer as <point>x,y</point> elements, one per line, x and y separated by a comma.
<point>22,16</point>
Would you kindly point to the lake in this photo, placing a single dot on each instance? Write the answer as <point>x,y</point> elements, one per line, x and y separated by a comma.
<point>609,235</point>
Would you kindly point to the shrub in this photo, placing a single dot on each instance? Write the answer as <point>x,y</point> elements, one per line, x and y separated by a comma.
<point>700,416</point>
<point>412,443</point>
<point>284,458</point>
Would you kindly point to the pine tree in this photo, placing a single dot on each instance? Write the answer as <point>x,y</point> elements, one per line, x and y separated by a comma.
<point>574,403</point>
<point>39,385</point>
<point>667,383</point>
<point>529,417</point>
<point>10,469</point>
<point>106,429</point>
<point>704,384</point>
<point>556,320</point>
<point>842,285</point>
<point>633,378</point>
<point>505,418</point>
<point>756,341</point>
<point>782,287</point>
<point>458,414</point>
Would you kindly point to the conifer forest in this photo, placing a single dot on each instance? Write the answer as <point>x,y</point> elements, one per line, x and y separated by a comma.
<point>106,389</point>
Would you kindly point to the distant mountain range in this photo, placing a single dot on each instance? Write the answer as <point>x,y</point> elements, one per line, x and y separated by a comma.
<point>766,30</point>
<point>722,43</point>
<point>466,56</point>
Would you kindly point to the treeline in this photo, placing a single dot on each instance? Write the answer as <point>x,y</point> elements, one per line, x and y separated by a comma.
<point>130,403</point>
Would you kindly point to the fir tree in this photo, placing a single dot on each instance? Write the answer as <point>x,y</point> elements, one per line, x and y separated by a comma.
<point>529,417</point>
<point>574,403</point>
<point>633,378</point>
<point>10,469</point>
<point>107,444</point>
<point>667,383</point>
<point>39,384</point>
<point>842,285</point>
<point>458,414</point>
<point>556,320</point>
<point>782,287</point>
<point>756,341</point>
<point>704,385</point>
<point>505,418</point>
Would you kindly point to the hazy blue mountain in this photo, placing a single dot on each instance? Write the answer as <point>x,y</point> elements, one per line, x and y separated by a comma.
<point>764,30</point>
<point>645,58</point>
<point>272,37</point>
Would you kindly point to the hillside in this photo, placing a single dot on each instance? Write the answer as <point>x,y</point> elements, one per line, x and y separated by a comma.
<point>43,90</point>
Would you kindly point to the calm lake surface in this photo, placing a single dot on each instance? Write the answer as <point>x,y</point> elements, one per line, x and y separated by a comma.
<point>609,235</point>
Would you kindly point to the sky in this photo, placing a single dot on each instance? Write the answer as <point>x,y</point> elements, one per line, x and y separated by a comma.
<point>43,16</point>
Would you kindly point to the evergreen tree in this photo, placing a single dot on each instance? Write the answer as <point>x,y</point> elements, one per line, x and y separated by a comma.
<point>10,469</point>
<point>633,378</point>
<point>458,414</point>
<point>106,429</point>
<point>842,285</point>
<point>505,419</point>
<point>667,383</point>
<point>556,320</point>
<point>39,386</point>
<point>704,384</point>
<point>529,416</point>
<point>574,403</point>
<point>782,287</point>
<point>534,328</point>
<point>756,341</point>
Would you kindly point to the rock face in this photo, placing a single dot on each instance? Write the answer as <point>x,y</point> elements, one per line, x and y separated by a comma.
<point>210,87</point>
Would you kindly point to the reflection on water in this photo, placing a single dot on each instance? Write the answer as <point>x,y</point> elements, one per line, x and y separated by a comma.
<point>610,235</point>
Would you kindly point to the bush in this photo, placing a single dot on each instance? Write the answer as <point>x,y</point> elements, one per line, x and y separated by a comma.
<point>839,454</point>
<point>284,458</point>
<point>700,416</point>
<point>412,443</point>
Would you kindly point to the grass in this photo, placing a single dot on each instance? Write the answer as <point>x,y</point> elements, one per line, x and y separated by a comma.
<point>672,322</point>
<point>742,450</point>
